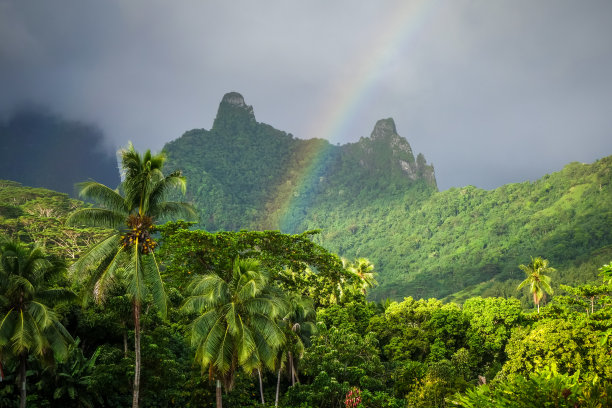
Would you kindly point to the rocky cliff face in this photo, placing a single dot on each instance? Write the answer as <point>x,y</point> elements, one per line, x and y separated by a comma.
<point>385,151</point>
<point>234,115</point>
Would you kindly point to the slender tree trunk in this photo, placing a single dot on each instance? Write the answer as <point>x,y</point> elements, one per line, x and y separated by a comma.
<point>295,373</point>
<point>22,379</point>
<point>137,354</point>
<point>277,388</point>
<point>261,387</point>
<point>125,341</point>
<point>218,395</point>
<point>291,372</point>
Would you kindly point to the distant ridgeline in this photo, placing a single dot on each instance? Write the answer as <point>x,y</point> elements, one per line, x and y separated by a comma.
<point>374,199</point>
<point>40,149</point>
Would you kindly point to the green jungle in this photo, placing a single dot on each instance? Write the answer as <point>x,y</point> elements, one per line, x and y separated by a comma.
<point>360,285</point>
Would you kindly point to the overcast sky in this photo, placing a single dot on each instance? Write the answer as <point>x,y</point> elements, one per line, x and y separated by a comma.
<point>491,92</point>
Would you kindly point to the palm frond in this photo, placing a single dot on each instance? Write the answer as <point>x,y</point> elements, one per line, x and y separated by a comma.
<point>56,295</point>
<point>172,209</point>
<point>95,255</point>
<point>102,195</point>
<point>42,315</point>
<point>137,287</point>
<point>97,217</point>
<point>154,280</point>
<point>171,182</point>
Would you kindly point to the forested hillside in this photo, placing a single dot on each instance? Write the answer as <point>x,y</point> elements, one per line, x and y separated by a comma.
<point>467,236</point>
<point>374,199</point>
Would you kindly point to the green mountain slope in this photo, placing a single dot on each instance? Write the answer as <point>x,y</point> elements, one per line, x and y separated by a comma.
<point>374,199</point>
<point>464,236</point>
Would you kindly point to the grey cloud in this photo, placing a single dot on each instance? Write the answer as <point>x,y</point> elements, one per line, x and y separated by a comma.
<point>490,92</point>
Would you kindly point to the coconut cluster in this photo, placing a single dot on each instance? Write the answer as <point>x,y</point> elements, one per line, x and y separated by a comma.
<point>139,231</point>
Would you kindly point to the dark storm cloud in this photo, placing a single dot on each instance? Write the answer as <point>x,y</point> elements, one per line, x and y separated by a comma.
<point>490,92</point>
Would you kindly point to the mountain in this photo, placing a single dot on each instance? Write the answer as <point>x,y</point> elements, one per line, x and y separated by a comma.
<point>246,174</point>
<point>375,199</point>
<point>41,149</point>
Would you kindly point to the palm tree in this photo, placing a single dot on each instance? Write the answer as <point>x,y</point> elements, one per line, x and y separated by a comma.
<point>298,324</point>
<point>237,323</point>
<point>363,270</point>
<point>127,253</point>
<point>539,283</point>
<point>28,325</point>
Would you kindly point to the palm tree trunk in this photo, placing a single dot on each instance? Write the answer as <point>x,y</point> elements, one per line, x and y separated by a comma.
<point>125,341</point>
<point>137,355</point>
<point>295,373</point>
<point>277,388</point>
<point>291,372</point>
<point>218,395</point>
<point>22,379</point>
<point>261,387</point>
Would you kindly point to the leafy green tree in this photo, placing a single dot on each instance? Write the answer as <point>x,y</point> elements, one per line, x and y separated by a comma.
<point>237,322</point>
<point>538,281</point>
<point>544,388</point>
<point>572,344</point>
<point>128,252</point>
<point>491,321</point>
<point>28,324</point>
<point>606,272</point>
<point>337,360</point>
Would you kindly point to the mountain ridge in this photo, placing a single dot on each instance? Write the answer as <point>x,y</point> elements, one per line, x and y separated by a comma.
<point>373,198</point>
<point>230,156</point>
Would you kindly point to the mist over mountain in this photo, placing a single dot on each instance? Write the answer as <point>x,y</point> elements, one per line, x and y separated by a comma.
<point>41,149</point>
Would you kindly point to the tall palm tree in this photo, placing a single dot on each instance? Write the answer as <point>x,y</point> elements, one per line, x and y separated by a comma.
<point>237,323</point>
<point>539,283</point>
<point>127,253</point>
<point>28,325</point>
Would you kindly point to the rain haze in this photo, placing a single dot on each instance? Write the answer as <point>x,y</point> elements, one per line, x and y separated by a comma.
<point>490,92</point>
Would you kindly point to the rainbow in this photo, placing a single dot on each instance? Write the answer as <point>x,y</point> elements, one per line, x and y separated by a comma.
<point>345,100</point>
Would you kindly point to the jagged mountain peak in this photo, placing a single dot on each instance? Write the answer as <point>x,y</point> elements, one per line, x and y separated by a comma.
<point>384,128</point>
<point>232,110</point>
<point>236,99</point>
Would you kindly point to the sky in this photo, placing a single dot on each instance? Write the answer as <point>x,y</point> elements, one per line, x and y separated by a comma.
<point>491,92</point>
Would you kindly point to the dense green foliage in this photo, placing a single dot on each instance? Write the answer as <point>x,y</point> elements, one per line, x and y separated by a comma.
<point>38,215</point>
<point>43,150</point>
<point>417,353</point>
